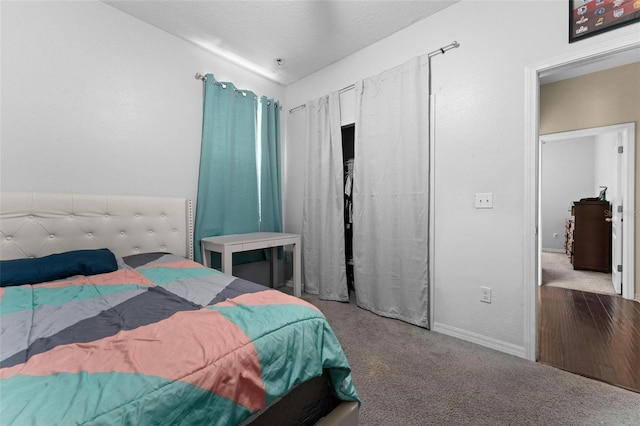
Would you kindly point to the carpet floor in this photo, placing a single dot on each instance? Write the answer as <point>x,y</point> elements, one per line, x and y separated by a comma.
<point>406,375</point>
<point>557,271</point>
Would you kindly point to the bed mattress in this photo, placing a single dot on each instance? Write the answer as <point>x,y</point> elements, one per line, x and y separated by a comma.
<point>162,340</point>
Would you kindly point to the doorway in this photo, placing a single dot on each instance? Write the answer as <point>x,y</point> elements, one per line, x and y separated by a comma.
<point>584,325</point>
<point>577,59</point>
<point>348,156</point>
<point>587,172</point>
<point>534,73</point>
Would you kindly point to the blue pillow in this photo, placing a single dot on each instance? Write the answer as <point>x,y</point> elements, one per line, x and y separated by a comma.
<point>56,266</point>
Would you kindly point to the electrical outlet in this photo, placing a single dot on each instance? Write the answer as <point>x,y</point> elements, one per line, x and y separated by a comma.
<point>485,295</point>
<point>555,235</point>
<point>484,200</point>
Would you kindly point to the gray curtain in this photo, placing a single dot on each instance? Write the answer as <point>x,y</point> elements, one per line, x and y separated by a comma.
<point>391,193</point>
<point>323,245</point>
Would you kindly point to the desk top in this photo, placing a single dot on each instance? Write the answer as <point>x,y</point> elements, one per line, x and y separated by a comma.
<point>251,237</point>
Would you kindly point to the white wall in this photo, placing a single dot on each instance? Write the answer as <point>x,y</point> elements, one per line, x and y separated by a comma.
<point>479,148</point>
<point>606,164</point>
<point>568,174</point>
<point>96,101</point>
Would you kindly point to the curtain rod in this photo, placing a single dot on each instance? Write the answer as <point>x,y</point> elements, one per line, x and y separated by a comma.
<point>344,89</point>
<point>199,76</point>
<point>441,51</point>
<point>454,44</point>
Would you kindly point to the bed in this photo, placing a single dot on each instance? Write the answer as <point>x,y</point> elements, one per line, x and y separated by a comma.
<point>121,326</point>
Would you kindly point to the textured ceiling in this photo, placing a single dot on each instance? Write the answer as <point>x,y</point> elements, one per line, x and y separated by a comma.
<point>307,34</point>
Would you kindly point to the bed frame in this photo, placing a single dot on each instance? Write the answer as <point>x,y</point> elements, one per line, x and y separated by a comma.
<point>39,224</point>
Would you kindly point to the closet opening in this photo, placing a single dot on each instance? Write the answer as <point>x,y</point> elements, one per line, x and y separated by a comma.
<point>348,136</point>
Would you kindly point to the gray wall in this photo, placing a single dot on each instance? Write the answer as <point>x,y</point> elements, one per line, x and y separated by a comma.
<point>606,164</point>
<point>573,169</point>
<point>568,174</point>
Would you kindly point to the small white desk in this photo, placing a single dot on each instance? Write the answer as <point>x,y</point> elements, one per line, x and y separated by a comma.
<point>226,245</point>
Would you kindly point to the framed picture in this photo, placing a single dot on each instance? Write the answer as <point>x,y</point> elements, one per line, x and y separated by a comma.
<point>591,17</point>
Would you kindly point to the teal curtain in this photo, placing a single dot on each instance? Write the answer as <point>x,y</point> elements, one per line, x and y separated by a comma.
<point>270,187</point>
<point>240,138</point>
<point>228,200</point>
<point>270,195</point>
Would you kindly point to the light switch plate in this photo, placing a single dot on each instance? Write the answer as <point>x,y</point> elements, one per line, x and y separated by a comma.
<point>484,200</point>
<point>485,294</point>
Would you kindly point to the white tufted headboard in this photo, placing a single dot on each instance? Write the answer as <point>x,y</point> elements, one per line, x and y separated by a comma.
<point>39,224</point>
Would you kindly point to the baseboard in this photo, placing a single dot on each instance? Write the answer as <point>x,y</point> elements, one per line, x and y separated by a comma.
<point>554,250</point>
<point>479,339</point>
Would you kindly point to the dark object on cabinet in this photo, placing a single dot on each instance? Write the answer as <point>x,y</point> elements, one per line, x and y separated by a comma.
<point>592,236</point>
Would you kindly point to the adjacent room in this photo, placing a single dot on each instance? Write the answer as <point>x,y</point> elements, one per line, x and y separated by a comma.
<point>320,212</point>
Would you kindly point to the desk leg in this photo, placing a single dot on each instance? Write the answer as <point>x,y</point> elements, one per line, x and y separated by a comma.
<point>227,264</point>
<point>206,258</point>
<point>297,271</point>
<point>274,267</point>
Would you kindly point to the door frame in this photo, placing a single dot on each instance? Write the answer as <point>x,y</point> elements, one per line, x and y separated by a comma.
<point>532,76</point>
<point>625,133</point>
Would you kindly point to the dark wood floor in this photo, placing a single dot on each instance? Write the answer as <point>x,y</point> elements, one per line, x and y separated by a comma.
<point>594,335</point>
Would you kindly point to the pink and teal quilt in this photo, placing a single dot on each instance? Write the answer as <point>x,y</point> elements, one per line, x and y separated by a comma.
<point>162,340</point>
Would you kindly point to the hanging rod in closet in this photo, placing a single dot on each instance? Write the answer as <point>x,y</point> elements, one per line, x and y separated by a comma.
<point>454,44</point>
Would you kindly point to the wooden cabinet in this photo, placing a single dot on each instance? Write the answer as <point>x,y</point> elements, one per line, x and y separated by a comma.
<point>592,236</point>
